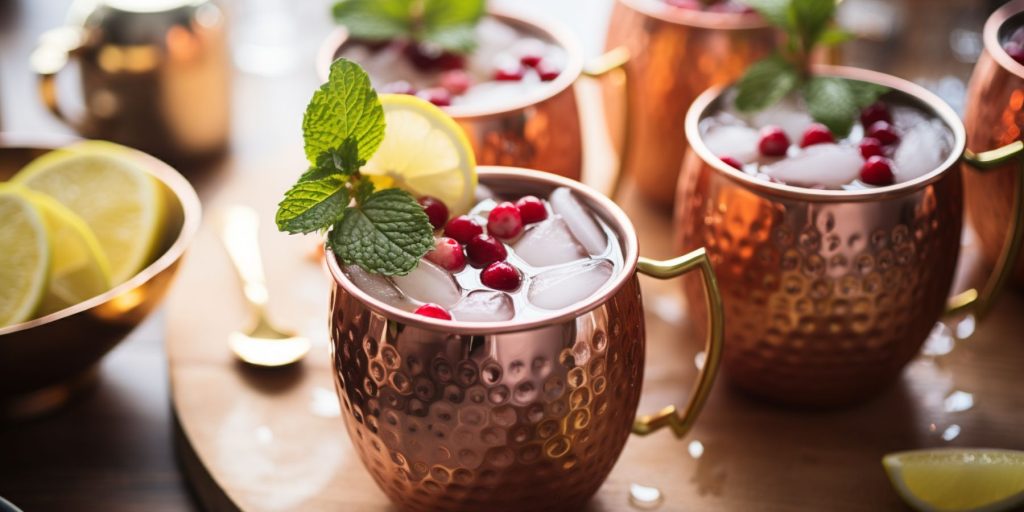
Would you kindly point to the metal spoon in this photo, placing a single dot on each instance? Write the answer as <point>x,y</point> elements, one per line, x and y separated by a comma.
<point>262,344</point>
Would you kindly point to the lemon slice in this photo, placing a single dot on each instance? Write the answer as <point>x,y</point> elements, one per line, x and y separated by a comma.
<point>424,152</point>
<point>24,257</point>
<point>955,480</point>
<point>79,269</point>
<point>104,185</point>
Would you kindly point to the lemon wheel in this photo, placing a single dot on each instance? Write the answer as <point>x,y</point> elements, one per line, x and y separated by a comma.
<point>24,258</point>
<point>958,480</point>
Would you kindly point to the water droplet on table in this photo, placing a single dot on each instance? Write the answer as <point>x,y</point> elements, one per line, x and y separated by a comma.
<point>324,403</point>
<point>646,498</point>
<point>696,449</point>
<point>940,342</point>
<point>958,401</point>
<point>965,328</point>
<point>951,432</point>
<point>699,359</point>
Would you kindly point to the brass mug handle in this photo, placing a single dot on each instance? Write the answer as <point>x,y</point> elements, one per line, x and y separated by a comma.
<point>614,60</point>
<point>49,58</point>
<point>670,416</point>
<point>979,303</point>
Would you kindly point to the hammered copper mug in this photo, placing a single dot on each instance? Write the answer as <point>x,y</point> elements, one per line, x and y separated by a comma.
<point>506,416</point>
<point>994,117</point>
<point>539,131</point>
<point>830,292</point>
<point>675,54</point>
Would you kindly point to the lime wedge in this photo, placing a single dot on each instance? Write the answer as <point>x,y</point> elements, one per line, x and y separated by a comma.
<point>79,269</point>
<point>424,152</point>
<point>24,257</point>
<point>111,191</point>
<point>958,480</point>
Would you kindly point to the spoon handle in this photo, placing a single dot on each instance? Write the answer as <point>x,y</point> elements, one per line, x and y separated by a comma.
<point>239,232</point>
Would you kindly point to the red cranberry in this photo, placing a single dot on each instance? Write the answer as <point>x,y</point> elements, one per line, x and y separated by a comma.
<point>686,4</point>
<point>504,221</point>
<point>426,60</point>
<point>433,311</point>
<point>531,209</point>
<point>884,132</point>
<point>870,146</point>
<point>484,250</point>
<point>877,171</point>
<point>436,211</point>
<point>774,141</point>
<point>462,228</point>
<point>437,95</point>
<point>731,162</point>
<point>875,112</point>
<point>447,254</point>
<point>398,87</point>
<point>512,73</point>
<point>530,60</point>
<point>548,72</point>
<point>816,133</point>
<point>500,275</point>
<point>455,81</point>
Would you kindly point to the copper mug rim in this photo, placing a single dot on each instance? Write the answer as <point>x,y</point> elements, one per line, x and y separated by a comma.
<point>990,36</point>
<point>553,29</point>
<point>915,92</point>
<point>603,207</point>
<point>162,172</point>
<point>697,18</point>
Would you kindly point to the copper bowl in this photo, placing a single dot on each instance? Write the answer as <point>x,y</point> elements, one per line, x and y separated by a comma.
<point>995,117</point>
<point>676,55</point>
<point>829,292</point>
<point>539,131</point>
<point>44,361</point>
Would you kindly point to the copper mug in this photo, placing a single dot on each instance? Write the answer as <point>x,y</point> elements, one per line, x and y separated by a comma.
<point>830,293</point>
<point>995,117</point>
<point>154,76</point>
<point>537,132</point>
<point>676,54</point>
<point>506,416</point>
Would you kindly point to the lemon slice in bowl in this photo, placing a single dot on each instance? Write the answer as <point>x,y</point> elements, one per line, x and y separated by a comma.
<point>425,153</point>
<point>958,480</point>
<point>79,269</point>
<point>108,188</point>
<point>24,259</point>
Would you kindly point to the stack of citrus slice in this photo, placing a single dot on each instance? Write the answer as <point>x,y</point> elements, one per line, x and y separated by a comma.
<point>82,220</point>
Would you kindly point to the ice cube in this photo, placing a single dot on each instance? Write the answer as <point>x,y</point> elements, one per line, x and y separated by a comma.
<point>739,142</point>
<point>549,243</point>
<point>379,287</point>
<point>484,306</point>
<point>921,150</point>
<point>579,219</point>
<point>562,287</point>
<point>430,283</point>
<point>830,165</point>
<point>789,114</point>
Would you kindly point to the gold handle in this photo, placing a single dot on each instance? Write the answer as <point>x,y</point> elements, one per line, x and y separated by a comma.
<point>48,59</point>
<point>614,60</point>
<point>979,303</point>
<point>239,232</point>
<point>669,416</point>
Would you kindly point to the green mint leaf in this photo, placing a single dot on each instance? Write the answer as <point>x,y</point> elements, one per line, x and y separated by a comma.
<point>812,17</point>
<point>865,93</point>
<point>776,12</point>
<point>764,83</point>
<point>346,106</point>
<point>831,102</point>
<point>312,205</point>
<point>386,234</point>
<point>340,162</point>
<point>457,38</point>
<point>375,20</point>
<point>450,23</point>
<point>362,189</point>
<point>833,36</point>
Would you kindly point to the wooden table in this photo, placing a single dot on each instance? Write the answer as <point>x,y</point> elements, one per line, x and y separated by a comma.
<point>114,449</point>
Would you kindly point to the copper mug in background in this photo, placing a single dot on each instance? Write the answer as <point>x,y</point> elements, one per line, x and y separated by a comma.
<point>676,54</point>
<point>506,416</point>
<point>154,76</point>
<point>994,117</point>
<point>540,131</point>
<point>829,292</point>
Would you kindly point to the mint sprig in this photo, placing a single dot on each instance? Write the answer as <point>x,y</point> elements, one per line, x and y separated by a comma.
<point>834,102</point>
<point>447,24</point>
<point>383,231</point>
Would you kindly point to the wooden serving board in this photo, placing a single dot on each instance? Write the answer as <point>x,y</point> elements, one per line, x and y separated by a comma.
<point>269,440</point>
